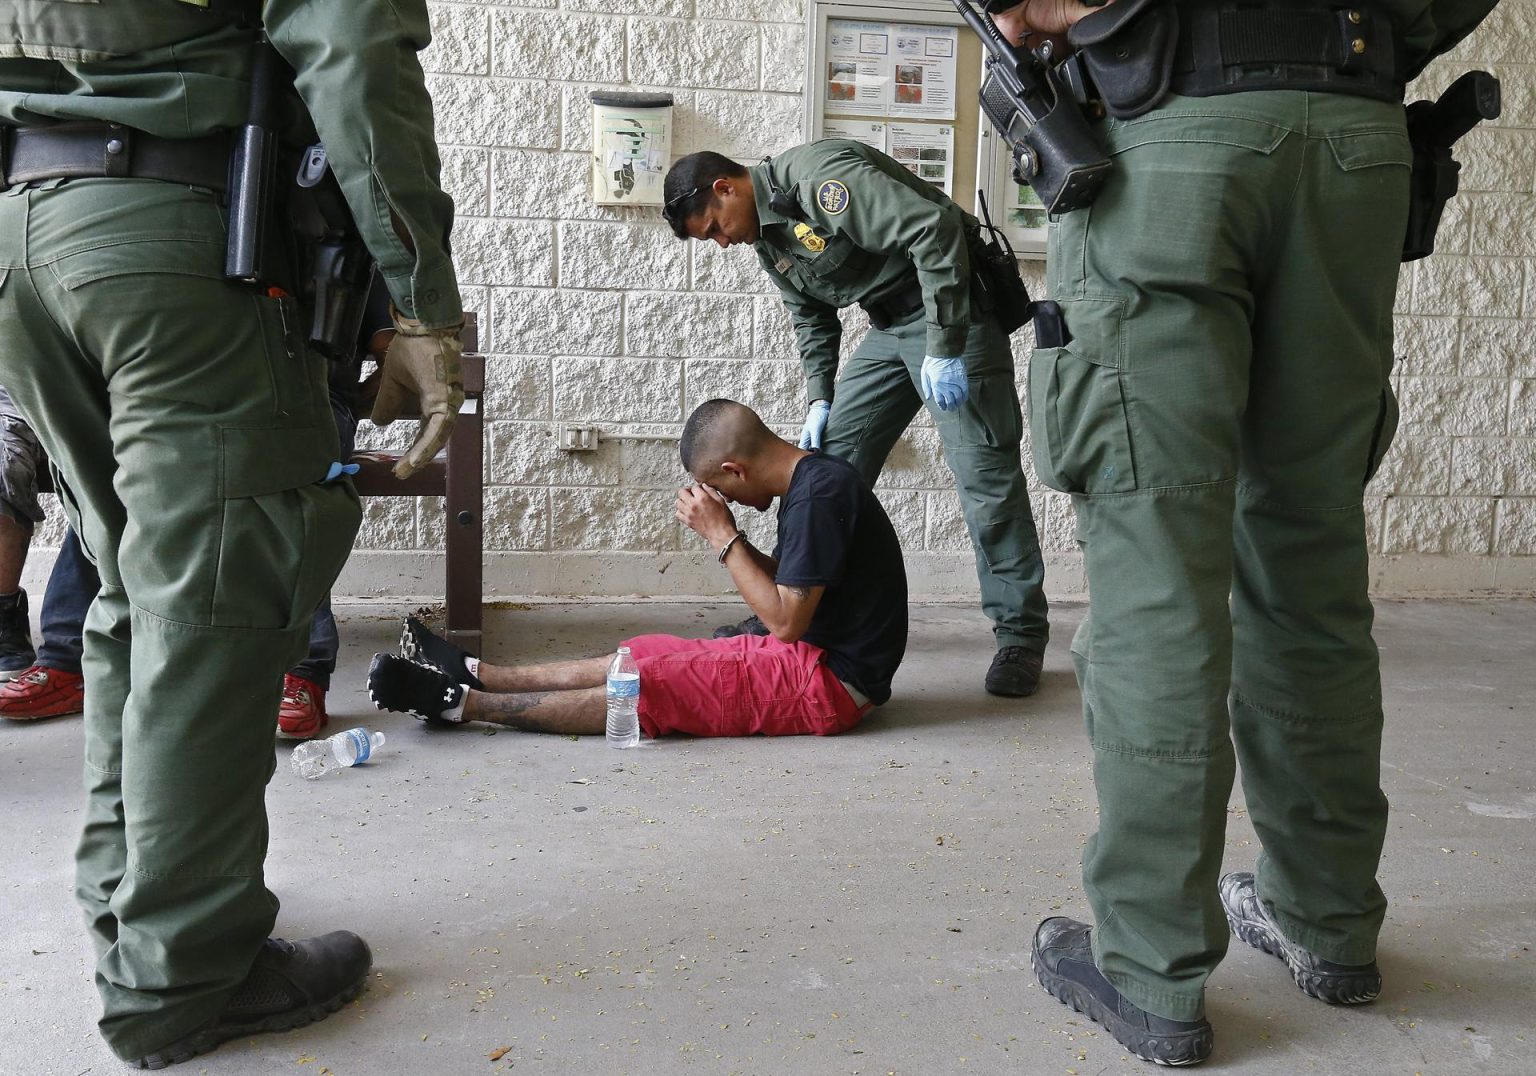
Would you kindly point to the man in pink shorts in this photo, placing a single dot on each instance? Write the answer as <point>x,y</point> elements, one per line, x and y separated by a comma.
<point>833,595</point>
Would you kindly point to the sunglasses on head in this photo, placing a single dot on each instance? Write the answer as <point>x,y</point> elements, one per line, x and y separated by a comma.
<point>672,211</point>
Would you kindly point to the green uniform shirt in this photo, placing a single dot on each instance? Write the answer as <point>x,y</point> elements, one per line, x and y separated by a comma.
<point>1428,28</point>
<point>179,71</point>
<point>867,224</point>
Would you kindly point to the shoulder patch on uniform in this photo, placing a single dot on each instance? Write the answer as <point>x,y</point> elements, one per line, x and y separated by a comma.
<point>832,196</point>
<point>809,239</point>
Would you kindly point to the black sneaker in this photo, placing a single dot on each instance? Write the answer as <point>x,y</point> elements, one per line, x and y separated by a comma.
<point>407,687</point>
<point>1015,672</point>
<point>753,625</point>
<point>16,653</point>
<point>420,644</point>
<point>1337,984</point>
<point>290,985</point>
<point>1062,956</point>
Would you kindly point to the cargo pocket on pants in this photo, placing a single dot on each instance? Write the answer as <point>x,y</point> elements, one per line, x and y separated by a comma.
<point>285,534</point>
<point>1079,430</point>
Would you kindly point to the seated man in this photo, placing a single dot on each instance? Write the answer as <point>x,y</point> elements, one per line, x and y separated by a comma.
<point>833,595</point>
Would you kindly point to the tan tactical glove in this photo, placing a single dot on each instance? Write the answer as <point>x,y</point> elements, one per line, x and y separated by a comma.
<point>421,365</point>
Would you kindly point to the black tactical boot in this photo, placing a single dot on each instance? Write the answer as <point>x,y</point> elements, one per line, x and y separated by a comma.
<point>1015,672</point>
<point>1062,957</point>
<point>16,653</point>
<point>750,626</point>
<point>290,985</point>
<point>1337,984</point>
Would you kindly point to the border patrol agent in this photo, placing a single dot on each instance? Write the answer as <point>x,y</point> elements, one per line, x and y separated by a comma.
<point>834,223</point>
<point>1220,402</point>
<point>190,423</point>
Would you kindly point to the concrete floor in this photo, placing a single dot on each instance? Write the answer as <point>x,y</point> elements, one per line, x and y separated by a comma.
<point>805,907</point>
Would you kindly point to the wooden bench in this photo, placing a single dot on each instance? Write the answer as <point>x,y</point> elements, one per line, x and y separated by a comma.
<point>458,476</point>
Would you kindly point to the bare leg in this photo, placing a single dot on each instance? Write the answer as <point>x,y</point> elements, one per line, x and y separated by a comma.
<point>13,554</point>
<point>579,712</point>
<point>552,676</point>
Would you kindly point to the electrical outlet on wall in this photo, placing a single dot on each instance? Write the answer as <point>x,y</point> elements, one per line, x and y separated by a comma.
<point>578,438</point>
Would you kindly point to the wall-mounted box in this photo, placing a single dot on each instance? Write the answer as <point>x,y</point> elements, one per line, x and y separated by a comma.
<point>631,146</point>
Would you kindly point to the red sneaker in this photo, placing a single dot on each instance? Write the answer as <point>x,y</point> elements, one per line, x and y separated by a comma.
<point>42,692</point>
<point>301,714</point>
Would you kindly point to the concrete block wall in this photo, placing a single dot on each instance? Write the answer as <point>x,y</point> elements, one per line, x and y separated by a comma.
<point>600,316</point>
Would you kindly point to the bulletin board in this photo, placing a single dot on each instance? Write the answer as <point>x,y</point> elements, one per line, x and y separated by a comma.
<point>902,76</point>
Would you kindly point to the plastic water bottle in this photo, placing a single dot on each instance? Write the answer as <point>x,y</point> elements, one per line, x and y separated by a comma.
<point>316,758</point>
<point>623,700</point>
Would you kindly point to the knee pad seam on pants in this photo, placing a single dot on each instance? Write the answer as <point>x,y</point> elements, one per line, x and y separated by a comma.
<point>1144,491</point>
<point>210,627</point>
<point>1252,497</point>
<point>1144,752</point>
<point>162,876</point>
<point>1292,717</point>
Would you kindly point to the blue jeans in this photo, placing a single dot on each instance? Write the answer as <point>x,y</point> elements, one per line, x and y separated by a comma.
<point>72,586</point>
<point>73,583</point>
<point>324,641</point>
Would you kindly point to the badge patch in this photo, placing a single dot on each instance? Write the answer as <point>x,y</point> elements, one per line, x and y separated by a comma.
<point>832,196</point>
<point>809,239</point>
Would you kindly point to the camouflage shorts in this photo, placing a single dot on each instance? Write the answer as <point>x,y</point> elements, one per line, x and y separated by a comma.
<point>20,457</point>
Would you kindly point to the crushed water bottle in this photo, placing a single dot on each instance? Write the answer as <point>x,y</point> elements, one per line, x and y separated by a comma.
<point>623,700</point>
<point>316,758</point>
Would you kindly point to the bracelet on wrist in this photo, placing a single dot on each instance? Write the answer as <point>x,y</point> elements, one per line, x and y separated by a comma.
<point>726,548</point>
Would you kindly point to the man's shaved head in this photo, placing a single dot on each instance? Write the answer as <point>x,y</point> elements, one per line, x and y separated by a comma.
<point>720,430</point>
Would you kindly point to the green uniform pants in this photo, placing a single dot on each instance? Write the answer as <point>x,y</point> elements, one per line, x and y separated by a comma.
<point>1217,413</point>
<point>191,429</point>
<point>879,392</point>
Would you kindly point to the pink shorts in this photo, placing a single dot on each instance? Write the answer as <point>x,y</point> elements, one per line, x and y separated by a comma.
<point>739,686</point>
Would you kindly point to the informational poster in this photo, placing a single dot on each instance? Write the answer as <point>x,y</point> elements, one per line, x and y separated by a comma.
<point>923,78</point>
<point>871,132</point>
<point>858,67</point>
<point>927,150</point>
<point>890,69</point>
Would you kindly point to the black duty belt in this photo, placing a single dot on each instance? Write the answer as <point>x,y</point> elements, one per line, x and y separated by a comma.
<point>1236,47</point>
<point>897,304</point>
<point>90,149</point>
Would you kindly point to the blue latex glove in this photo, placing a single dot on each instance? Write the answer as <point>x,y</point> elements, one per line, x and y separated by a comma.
<point>337,469</point>
<point>815,425</point>
<point>944,382</point>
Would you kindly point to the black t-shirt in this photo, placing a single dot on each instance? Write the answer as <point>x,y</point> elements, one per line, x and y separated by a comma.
<point>833,533</point>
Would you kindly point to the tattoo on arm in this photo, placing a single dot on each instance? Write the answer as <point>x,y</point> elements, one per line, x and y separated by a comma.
<point>800,592</point>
